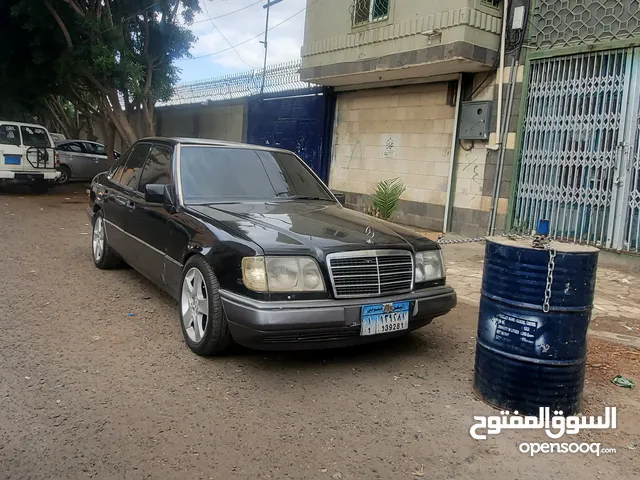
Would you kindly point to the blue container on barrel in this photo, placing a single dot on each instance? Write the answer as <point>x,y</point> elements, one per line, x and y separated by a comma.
<point>526,358</point>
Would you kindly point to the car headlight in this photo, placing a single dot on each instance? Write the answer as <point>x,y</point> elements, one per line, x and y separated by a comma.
<point>282,274</point>
<point>429,266</point>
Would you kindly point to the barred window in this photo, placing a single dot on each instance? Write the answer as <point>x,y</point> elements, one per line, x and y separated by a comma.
<point>491,3</point>
<point>365,11</point>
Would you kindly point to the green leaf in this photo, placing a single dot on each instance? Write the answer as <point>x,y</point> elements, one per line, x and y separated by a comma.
<point>386,196</point>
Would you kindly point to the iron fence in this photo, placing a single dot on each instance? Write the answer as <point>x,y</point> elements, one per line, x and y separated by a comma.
<point>580,163</point>
<point>278,78</point>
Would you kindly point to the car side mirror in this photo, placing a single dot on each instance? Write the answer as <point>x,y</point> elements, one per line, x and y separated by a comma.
<point>341,197</point>
<point>154,193</point>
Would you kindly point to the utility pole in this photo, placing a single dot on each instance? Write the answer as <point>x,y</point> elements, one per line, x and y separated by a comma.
<point>266,34</point>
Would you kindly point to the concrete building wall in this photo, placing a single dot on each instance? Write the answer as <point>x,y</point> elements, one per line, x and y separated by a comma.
<point>403,132</point>
<point>476,170</point>
<point>222,123</point>
<point>336,40</point>
<point>219,122</point>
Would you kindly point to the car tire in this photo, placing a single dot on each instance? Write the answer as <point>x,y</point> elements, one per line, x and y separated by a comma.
<point>65,175</point>
<point>104,257</point>
<point>202,317</point>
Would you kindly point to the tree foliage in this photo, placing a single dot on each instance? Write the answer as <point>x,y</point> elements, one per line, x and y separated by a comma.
<point>111,59</point>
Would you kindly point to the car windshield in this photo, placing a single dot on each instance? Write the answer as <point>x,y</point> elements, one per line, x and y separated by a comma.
<point>214,175</point>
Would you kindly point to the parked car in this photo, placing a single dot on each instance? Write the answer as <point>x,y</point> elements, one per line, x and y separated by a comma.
<point>26,155</point>
<point>81,159</point>
<point>257,250</point>
<point>57,137</point>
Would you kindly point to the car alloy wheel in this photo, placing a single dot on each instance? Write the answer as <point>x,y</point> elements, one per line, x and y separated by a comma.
<point>98,239</point>
<point>64,176</point>
<point>194,305</point>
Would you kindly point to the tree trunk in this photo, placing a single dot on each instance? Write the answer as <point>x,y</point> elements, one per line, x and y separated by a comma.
<point>91,134</point>
<point>113,110</point>
<point>109,132</point>
<point>119,120</point>
<point>147,114</point>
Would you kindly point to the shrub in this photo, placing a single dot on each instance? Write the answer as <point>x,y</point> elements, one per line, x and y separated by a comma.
<point>385,198</point>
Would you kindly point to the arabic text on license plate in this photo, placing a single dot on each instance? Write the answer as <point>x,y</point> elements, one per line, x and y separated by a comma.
<point>384,318</point>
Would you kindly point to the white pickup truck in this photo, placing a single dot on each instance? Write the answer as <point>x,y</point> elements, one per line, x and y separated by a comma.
<point>27,155</point>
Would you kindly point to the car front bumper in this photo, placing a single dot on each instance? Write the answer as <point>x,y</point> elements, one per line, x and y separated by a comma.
<point>312,324</point>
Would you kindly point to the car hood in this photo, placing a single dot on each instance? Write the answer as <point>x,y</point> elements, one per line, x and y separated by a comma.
<point>315,226</point>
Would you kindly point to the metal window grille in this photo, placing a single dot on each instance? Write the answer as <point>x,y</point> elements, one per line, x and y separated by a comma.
<point>580,163</point>
<point>490,3</point>
<point>631,233</point>
<point>563,23</point>
<point>365,11</point>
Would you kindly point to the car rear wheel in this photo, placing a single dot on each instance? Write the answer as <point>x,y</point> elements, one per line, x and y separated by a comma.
<point>65,175</point>
<point>202,319</point>
<point>104,256</point>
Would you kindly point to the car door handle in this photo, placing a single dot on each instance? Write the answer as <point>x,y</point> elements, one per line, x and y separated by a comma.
<point>120,200</point>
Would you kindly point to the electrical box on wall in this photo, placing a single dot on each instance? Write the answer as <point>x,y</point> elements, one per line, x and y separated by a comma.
<point>474,120</point>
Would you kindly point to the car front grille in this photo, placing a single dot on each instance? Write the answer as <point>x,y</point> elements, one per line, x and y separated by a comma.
<point>370,273</point>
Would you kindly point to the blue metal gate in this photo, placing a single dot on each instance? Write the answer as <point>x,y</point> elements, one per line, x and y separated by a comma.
<point>294,121</point>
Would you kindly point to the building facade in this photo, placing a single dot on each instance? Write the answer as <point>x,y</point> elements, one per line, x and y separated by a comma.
<point>397,66</point>
<point>566,145</point>
<point>578,150</point>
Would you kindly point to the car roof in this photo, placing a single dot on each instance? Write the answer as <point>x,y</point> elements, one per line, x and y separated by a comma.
<point>210,143</point>
<point>67,140</point>
<point>22,124</point>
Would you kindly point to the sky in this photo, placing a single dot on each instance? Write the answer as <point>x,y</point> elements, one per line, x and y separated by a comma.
<point>284,41</point>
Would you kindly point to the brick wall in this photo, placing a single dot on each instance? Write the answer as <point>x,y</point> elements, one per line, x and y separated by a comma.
<point>403,132</point>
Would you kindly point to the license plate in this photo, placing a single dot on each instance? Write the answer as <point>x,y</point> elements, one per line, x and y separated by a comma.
<point>12,159</point>
<point>384,318</point>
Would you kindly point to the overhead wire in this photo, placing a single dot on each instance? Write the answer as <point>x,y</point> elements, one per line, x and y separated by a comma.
<point>228,13</point>
<point>255,36</point>
<point>225,38</point>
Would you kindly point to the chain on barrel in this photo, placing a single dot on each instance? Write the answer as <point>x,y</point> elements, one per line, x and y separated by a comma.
<point>534,314</point>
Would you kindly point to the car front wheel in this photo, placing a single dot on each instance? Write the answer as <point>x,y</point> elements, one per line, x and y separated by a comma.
<point>203,323</point>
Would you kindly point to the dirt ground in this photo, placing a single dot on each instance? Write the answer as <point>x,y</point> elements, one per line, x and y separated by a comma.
<point>87,391</point>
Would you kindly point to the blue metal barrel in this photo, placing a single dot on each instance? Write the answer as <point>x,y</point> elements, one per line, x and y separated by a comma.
<point>526,358</point>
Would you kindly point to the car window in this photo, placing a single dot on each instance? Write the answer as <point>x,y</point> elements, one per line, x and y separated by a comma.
<point>131,171</point>
<point>116,170</point>
<point>70,147</point>
<point>94,148</point>
<point>9,135</point>
<point>35,137</point>
<point>157,169</point>
<point>223,174</point>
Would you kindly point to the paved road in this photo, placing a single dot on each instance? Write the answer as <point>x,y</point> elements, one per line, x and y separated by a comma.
<point>89,392</point>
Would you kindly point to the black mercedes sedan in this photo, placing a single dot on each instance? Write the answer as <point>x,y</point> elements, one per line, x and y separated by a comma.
<point>258,251</point>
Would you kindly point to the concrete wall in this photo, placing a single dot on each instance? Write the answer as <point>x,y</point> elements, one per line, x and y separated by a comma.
<point>333,39</point>
<point>220,122</point>
<point>403,132</point>
<point>407,132</point>
<point>476,170</point>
